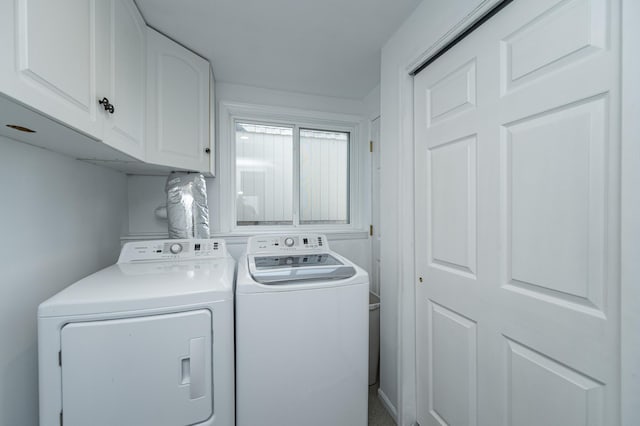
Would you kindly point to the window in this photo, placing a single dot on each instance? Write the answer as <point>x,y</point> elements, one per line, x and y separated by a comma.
<point>286,170</point>
<point>291,175</point>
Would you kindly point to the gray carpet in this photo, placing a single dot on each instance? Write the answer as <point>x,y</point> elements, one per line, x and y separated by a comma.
<point>378,415</point>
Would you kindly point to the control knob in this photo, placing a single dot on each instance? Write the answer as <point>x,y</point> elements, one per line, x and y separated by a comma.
<point>289,242</point>
<point>175,248</point>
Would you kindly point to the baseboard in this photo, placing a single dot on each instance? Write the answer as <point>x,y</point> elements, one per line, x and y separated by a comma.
<point>388,405</point>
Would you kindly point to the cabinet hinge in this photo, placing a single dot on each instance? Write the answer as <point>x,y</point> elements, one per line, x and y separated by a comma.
<point>370,146</point>
<point>371,230</point>
<point>60,358</point>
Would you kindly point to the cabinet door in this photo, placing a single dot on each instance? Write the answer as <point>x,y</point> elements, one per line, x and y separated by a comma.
<point>178,105</point>
<point>49,59</point>
<point>122,76</point>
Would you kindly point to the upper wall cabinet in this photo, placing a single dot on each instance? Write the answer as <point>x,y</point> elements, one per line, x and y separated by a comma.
<point>178,106</point>
<point>81,62</point>
<point>138,101</point>
<point>49,60</point>
<point>122,76</point>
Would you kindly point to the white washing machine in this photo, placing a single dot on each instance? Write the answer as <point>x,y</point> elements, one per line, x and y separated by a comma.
<point>145,342</point>
<point>301,335</point>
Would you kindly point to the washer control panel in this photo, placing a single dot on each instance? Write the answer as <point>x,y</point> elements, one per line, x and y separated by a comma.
<point>159,250</point>
<point>287,243</point>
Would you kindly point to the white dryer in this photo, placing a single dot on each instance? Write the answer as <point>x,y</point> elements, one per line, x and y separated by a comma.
<point>145,342</point>
<point>301,335</point>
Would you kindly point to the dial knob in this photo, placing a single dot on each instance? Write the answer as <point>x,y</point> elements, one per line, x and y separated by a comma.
<point>289,242</point>
<point>175,248</point>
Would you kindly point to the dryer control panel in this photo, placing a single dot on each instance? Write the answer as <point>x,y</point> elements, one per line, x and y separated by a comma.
<point>158,250</point>
<point>274,244</point>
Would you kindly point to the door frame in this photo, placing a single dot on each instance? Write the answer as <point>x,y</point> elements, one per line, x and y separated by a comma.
<point>630,214</point>
<point>374,194</point>
<point>630,220</point>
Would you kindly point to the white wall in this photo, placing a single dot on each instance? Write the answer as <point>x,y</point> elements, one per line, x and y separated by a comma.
<point>61,220</point>
<point>429,22</point>
<point>372,103</point>
<point>145,193</point>
<point>256,95</point>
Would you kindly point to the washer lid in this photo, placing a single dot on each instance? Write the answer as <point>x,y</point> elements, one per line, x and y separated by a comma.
<point>282,269</point>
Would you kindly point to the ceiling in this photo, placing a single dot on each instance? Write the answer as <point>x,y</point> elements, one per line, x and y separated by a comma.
<point>323,47</point>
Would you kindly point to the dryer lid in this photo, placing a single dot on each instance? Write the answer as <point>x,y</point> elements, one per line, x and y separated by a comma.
<point>146,285</point>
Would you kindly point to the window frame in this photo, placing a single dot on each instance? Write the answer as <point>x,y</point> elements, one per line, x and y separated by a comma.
<point>231,113</point>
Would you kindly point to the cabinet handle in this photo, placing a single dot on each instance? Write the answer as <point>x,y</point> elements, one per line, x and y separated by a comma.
<point>107,106</point>
<point>207,150</point>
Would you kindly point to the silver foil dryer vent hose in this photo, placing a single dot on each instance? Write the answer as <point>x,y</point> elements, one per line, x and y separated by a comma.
<point>187,210</point>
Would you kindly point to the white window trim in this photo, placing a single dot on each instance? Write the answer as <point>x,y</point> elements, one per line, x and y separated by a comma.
<point>230,112</point>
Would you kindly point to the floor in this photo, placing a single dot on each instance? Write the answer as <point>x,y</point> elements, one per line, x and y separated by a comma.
<point>378,415</point>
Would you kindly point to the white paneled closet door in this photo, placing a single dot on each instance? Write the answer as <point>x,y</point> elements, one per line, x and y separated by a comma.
<point>517,220</point>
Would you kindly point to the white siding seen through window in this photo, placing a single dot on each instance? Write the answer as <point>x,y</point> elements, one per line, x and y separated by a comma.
<point>266,175</point>
<point>324,177</point>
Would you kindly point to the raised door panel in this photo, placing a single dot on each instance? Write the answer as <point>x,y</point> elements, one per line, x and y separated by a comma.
<point>125,82</point>
<point>150,370</point>
<point>569,31</point>
<point>543,391</point>
<point>453,94</point>
<point>555,201</point>
<point>54,61</point>
<point>452,201</point>
<point>178,105</point>
<point>452,363</point>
